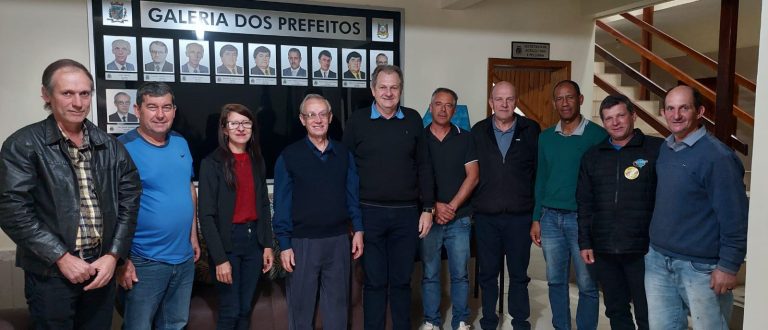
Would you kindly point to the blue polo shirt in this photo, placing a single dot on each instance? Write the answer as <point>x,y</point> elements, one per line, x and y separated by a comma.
<point>165,216</point>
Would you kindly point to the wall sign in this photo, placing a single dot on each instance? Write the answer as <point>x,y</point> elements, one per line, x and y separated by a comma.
<point>163,15</point>
<point>530,50</point>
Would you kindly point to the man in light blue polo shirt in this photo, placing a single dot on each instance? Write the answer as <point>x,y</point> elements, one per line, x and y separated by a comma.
<point>157,279</point>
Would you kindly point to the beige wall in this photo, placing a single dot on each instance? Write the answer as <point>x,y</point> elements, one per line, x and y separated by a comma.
<point>33,34</point>
<point>755,316</point>
<point>442,48</point>
<point>450,47</point>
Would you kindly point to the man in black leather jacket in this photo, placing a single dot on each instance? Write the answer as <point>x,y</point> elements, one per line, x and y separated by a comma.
<point>69,196</point>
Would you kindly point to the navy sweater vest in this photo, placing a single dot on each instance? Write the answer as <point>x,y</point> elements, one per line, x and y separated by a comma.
<point>319,205</point>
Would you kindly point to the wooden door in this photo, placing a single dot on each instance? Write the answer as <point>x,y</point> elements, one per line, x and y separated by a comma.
<point>533,80</point>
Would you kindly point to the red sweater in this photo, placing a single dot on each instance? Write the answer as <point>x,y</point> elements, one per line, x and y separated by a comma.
<point>245,200</point>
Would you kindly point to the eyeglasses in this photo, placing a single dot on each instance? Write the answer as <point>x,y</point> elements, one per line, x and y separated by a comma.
<point>312,115</point>
<point>235,124</point>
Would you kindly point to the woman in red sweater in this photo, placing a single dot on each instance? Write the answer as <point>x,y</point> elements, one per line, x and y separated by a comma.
<point>235,216</point>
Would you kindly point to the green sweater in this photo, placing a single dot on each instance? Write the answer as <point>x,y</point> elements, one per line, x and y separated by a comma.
<point>558,166</point>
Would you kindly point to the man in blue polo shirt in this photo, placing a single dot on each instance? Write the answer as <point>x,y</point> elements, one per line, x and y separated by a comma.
<point>157,279</point>
<point>316,196</point>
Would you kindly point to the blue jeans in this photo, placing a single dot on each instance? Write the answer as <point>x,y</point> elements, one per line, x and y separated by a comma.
<point>391,240</point>
<point>455,236</point>
<point>246,260</point>
<point>559,241</point>
<point>160,297</point>
<point>674,287</point>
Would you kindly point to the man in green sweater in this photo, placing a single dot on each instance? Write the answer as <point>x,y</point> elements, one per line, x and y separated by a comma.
<point>554,227</point>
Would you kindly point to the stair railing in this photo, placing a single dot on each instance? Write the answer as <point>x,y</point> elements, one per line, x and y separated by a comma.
<point>703,59</point>
<point>673,70</point>
<point>645,53</point>
<point>645,114</point>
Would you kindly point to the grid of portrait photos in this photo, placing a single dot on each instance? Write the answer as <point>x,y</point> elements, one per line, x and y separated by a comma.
<point>225,62</point>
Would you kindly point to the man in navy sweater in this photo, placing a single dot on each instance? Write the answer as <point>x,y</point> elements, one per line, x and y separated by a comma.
<point>316,196</point>
<point>396,196</point>
<point>699,225</point>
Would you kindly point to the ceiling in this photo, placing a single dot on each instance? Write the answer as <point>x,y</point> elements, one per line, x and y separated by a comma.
<point>695,24</point>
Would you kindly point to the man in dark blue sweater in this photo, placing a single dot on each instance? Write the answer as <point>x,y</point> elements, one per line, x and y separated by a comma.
<point>396,196</point>
<point>699,226</point>
<point>316,195</point>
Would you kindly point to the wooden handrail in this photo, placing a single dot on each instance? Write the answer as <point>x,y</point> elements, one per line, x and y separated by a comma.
<point>737,144</point>
<point>673,70</point>
<point>704,59</point>
<point>630,71</point>
<point>637,76</point>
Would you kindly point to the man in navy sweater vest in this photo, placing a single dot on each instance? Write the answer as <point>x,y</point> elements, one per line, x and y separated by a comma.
<point>699,225</point>
<point>391,153</point>
<point>316,196</point>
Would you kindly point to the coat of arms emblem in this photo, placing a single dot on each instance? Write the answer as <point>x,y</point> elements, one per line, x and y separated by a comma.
<point>117,12</point>
<point>383,31</point>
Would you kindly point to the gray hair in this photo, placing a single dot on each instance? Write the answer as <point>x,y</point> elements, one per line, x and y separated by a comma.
<point>313,97</point>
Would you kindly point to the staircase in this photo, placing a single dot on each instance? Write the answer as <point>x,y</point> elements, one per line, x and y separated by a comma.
<point>614,79</point>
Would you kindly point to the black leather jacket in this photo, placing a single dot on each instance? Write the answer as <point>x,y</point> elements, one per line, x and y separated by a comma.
<point>40,200</point>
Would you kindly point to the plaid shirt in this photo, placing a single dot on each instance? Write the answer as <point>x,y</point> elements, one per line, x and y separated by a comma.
<point>90,227</point>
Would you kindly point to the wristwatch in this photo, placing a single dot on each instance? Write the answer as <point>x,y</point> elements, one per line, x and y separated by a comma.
<point>430,210</point>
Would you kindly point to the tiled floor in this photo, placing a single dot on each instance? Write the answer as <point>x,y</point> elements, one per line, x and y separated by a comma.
<point>541,315</point>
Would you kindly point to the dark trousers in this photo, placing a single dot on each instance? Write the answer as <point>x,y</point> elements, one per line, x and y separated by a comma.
<point>391,237</point>
<point>501,235</point>
<point>246,259</point>
<point>56,303</point>
<point>622,279</point>
<point>322,262</point>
